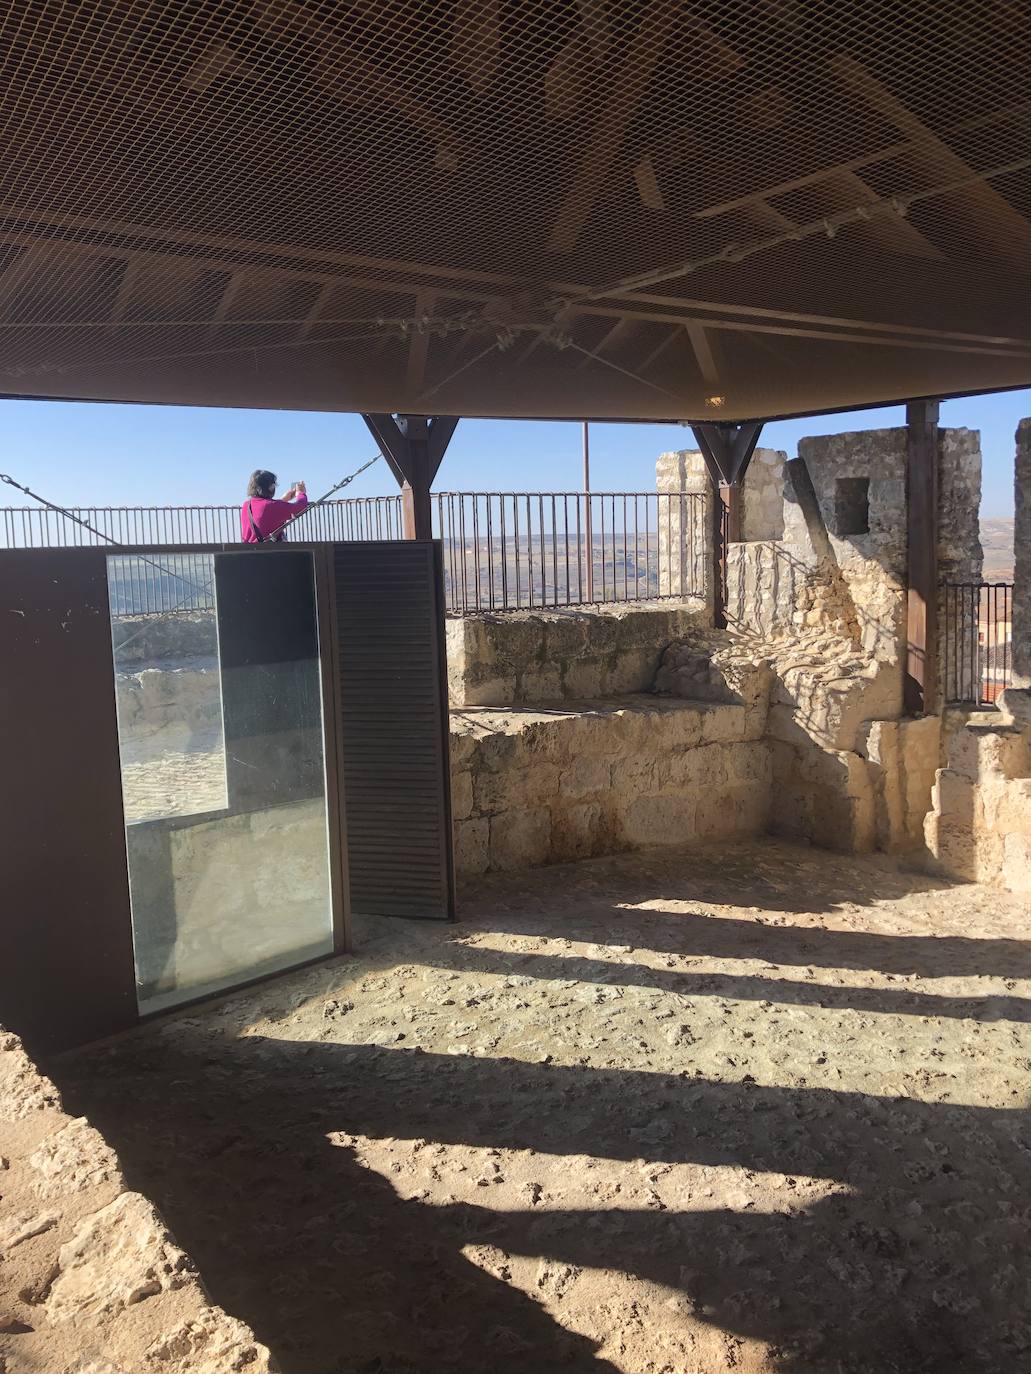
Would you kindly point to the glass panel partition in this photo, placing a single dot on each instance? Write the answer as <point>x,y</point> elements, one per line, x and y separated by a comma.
<point>223,772</point>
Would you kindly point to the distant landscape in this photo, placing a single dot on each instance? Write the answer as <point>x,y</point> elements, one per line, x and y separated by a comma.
<point>997,542</point>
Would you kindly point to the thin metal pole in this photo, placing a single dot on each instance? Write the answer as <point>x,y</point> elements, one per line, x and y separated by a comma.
<point>588,521</point>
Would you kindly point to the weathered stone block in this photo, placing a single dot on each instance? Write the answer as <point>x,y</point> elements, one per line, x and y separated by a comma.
<point>521,838</point>
<point>721,723</point>
<point>1007,806</point>
<point>472,853</point>
<point>748,762</point>
<point>985,751</point>
<point>794,813</point>
<point>577,832</point>
<point>463,746</point>
<point>461,795</point>
<point>633,776</point>
<point>955,797</point>
<point>586,776</point>
<point>582,681</point>
<point>515,788</point>
<point>1016,863</point>
<point>663,819</point>
<point>542,683</point>
<point>734,813</point>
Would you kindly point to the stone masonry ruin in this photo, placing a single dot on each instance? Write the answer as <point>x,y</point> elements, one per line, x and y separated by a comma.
<point>586,731</point>
<point>801,697</point>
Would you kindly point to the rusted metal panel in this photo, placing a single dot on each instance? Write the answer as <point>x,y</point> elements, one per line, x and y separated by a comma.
<point>66,973</point>
<point>921,680</point>
<point>394,728</point>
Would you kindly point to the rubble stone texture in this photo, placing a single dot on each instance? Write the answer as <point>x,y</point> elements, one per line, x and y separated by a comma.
<point>90,1280</point>
<point>530,657</point>
<point>979,827</point>
<point>533,787</point>
<point>980,824</point>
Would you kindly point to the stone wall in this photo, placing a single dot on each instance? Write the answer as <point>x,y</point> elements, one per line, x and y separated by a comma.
<point>91,1282</point>
<point>532,787</point>
<point>980,826</point>
<point>846,774</point>
<point>685,539</point>
<point>526,657</point>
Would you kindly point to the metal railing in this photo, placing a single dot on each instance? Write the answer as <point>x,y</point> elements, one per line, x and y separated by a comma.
<point>976,641</point>
<point>169,584</point>
<point>506,551</point>
<point>503,551</point>
<point>31,527</point>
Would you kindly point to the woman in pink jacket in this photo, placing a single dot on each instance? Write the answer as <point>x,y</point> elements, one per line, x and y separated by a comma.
<point>261,515</point>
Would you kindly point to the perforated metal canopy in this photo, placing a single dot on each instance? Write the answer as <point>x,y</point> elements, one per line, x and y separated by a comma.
<point>632,208</point>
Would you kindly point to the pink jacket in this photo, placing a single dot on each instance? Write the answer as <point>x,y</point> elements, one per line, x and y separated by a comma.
<point>268,516</point>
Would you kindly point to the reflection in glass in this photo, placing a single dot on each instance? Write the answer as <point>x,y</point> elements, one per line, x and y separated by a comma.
<point>220,726</point>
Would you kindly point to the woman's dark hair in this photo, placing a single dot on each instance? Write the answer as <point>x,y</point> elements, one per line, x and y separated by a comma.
<point>262,483</point>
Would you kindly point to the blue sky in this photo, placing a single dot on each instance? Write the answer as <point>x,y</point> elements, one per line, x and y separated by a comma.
<point>164,455</point>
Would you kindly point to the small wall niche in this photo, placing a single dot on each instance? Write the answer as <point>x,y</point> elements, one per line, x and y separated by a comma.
<point>852,505</point>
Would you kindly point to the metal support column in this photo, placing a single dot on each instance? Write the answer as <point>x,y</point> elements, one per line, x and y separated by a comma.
<point>727,451</point>
<point>413,446</point>
<point>921,681</point>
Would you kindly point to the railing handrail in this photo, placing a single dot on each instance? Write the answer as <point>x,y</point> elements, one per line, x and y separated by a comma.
<point>503,550</point>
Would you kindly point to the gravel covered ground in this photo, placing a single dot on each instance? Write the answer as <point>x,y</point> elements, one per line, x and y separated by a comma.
<point>766,1110</point>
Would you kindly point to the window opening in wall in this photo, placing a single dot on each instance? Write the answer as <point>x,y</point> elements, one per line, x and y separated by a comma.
<point>852,505</point>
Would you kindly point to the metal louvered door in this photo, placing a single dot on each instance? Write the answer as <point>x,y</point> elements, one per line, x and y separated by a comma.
<point>394,728</point>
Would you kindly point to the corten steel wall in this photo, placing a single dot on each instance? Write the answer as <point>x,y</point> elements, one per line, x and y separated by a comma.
<point>66,966</point>
<point>66,971</point>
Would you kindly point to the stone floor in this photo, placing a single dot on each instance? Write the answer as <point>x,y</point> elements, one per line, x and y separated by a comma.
<point>764,1110</point>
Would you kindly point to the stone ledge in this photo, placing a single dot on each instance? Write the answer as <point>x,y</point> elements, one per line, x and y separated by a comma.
<point>575,653</point>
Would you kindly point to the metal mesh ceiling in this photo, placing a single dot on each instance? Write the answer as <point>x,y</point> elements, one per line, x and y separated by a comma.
<point>515,207</point>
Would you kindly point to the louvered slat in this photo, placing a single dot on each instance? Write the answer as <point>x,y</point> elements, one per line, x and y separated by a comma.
<point>390,638</point>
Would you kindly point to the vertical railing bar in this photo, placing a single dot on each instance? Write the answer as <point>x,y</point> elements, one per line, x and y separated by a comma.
<point>565,538</point>
<point>554,550</point>
<point>545,595</point>
<point>579,550</point>
<point>476,542</point>
<point>489,513</point>
<point>465,555</point>
<point>601,504</point>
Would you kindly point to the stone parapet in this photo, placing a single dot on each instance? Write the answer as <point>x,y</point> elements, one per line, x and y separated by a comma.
<point>531,787</point>
<point>574,654</point>
<point>979,825</point>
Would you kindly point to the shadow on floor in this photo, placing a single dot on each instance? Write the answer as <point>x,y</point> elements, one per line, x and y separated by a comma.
<point>918,1265</point>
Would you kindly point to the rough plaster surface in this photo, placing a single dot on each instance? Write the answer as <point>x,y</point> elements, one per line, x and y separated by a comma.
<point>760,1110</point>
<point>90,1279</point>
